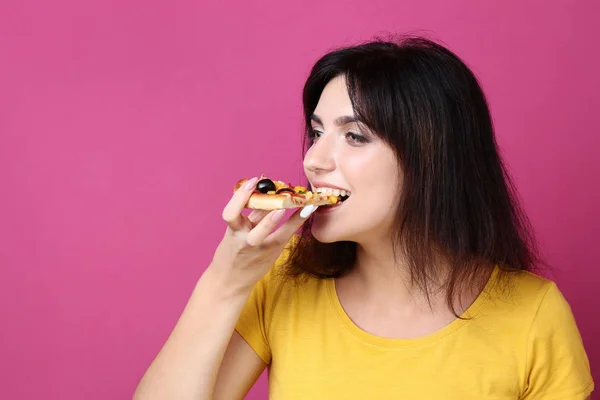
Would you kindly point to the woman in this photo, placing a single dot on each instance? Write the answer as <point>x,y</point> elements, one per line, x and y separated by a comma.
<point>418,286</point>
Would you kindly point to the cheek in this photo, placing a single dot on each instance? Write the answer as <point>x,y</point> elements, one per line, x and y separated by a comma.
<point>378,205</point>
<point>380,186</point>
<point>377,170</point>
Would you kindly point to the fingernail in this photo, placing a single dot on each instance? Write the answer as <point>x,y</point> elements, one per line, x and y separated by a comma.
<point>250,184</point>
<point>306,211</point>
<point>277,215</point>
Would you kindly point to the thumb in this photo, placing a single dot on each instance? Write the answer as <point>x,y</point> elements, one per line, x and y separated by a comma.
<point>287,229</point>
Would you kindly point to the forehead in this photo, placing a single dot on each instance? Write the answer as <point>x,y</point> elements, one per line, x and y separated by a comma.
<point>334,100</point>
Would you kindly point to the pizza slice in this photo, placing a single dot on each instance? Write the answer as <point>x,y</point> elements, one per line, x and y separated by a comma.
<point>273,195</point>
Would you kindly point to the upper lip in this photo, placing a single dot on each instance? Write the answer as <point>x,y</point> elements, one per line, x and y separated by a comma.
<point>318,184</point>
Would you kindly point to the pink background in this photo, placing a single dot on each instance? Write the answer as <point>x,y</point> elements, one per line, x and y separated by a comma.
<point>118,121</point>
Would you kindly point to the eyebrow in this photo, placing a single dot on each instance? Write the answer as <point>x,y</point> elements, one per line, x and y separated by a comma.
<point>340,121</point>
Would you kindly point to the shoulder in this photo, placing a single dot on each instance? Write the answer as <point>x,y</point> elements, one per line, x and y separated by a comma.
<point>533,302</point>
<point>515,301</point>
<point>523,292</point>
<point>268,306</point>
<point>541,301</point>
<point>555,360</point>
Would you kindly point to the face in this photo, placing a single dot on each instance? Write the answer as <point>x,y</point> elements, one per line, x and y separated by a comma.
<point>346,155</point>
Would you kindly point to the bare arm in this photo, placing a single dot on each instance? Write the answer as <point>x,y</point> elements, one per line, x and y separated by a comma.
<point>187,365</point>
<point>240,369</point>
<point>203,344</point>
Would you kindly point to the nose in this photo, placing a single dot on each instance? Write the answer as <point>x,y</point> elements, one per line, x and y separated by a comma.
<point>320,156</point>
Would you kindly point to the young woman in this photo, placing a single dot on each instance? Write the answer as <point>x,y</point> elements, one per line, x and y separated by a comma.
<point>418,286</point>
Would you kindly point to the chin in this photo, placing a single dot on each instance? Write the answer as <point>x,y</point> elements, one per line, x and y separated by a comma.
<point>324,234</point>
<point>328,232</point>
<point>324,238</point>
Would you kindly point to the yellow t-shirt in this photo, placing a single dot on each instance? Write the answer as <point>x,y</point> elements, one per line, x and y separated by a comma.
<point>522,343</point>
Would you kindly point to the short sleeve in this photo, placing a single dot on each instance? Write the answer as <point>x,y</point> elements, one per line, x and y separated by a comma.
<point>257,314</point>
<point>557,364</point>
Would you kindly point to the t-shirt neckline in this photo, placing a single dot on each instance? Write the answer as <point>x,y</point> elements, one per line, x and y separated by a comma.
<point>457,323</point>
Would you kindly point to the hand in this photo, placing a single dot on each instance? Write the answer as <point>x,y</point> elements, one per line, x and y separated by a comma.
<point>250,247</point>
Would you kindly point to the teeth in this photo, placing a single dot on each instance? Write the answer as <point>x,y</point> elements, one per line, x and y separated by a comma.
<point>331,192</point>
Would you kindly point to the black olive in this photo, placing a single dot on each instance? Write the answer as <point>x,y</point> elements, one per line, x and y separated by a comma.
<point>285,190</point>
<point>265,185</point>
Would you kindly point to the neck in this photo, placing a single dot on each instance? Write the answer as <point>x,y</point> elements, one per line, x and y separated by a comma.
<point>379,273</point>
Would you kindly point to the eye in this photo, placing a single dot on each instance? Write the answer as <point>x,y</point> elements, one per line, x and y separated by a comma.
<point>356,138</point>
<point>314,134</point>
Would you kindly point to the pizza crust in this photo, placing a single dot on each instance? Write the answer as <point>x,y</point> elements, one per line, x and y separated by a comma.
<point>262,201</point>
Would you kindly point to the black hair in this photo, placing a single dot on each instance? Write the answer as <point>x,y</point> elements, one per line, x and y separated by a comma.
<point>457,199</point>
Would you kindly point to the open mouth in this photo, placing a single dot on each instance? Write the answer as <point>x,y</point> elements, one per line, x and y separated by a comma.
<point>340,194</point>
<point>338,204</point>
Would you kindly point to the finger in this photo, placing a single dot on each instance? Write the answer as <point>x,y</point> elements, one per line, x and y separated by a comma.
<point>258,234</point>
<point>232,213</point>
<point>257,215</point>
<point>288,228</point>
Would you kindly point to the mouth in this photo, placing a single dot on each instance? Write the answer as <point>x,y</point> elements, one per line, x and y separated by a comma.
<point>341,194</point>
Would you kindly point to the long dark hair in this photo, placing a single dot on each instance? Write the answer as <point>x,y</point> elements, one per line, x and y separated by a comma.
<point>457,200</point>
